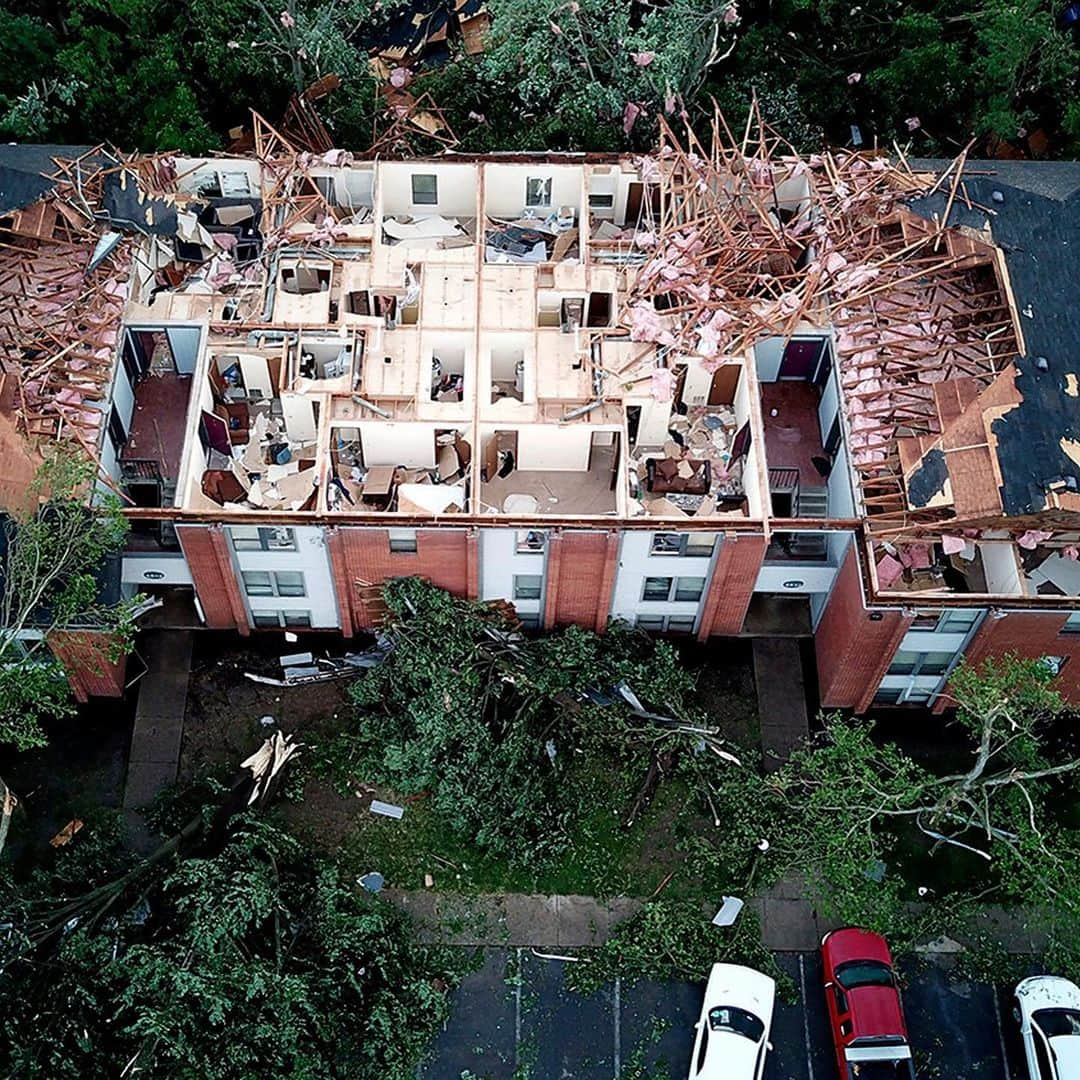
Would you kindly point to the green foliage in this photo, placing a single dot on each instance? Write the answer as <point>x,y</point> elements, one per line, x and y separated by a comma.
<point>49,584</point>
<point>256,961</point>
<point>675,938</point>
<point>498,735</point>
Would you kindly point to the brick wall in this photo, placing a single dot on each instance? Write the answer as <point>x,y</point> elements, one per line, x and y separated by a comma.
<point>580,577</point>
<point>732,586</point>
<point>85,656</point>
<point>445,557</point>
<point>853,649</point>
<point>1030,634</point>
<point>206,548</point>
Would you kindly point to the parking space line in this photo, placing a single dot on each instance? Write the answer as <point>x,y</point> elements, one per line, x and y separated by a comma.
<point>517,1008</point>
<point>617,1006</point>
<point>1001,1036</point>
<point>806,1018</point>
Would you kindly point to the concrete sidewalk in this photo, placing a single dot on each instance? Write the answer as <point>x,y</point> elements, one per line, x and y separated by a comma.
<point>789,922</point>
<point>159,726</point>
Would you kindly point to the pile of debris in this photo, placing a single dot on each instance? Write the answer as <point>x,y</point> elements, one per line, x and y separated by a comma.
<point>752,241</point>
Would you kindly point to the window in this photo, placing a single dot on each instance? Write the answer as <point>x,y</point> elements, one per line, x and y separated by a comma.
<point>527,586</point>
<point>653,623</point>
<point>888,697</point>
<point>299,620</point>
<point>425,189</point>
<point>290,583</point>
<point>403,541</point>
<point>529,622</point>
<point>249,538</point>
<point>234,184</point>
<point>601,200</point>
<point>907,662</point>
<point>274,583</point>
<point>258,583</point>
<point>693,545</point>
<point>667,543</point>
<point>530,542</point>
<point>680,624</point>
<point>1053,664</point>
<point>657,588</point>
<point>957,622</point>
<point>689,589</point>
<point>1072,623</point>
<point>538,191</point>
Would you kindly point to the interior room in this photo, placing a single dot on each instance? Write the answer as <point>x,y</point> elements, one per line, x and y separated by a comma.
<point>953,564</point>
<point>448,353</point>
<point>620,205</point>
<point>427,204</point>
<point>692,446</point>
<point>797,401</point>
<point>508,367</point>
<point>257,445</point>
<point>147,421</point>
<point>303,292</point>
<point>398,468</point>
<point>540,469</point>
<point>325,363</point>
<point>532,213</point>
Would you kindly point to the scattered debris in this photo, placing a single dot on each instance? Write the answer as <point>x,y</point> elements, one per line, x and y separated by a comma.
<point>373,882</point>
<point>729,911</point>
<point>67,833</point>
<point>387,809</point>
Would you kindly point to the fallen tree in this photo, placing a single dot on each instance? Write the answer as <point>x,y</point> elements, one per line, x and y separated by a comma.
<point>507,735</point>
<point>229,952</point>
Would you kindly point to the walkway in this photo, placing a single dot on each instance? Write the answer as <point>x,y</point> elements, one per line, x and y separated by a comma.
<point>159,725</point>
<point>781,699</point>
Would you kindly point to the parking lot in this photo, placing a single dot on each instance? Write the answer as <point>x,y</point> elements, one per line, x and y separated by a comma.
<point>531,1027</point>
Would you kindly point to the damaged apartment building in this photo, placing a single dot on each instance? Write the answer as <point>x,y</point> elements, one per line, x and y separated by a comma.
<point>720,390</point>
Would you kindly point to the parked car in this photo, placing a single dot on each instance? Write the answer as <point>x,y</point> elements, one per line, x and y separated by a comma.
<point>1048,1009</point>
<point>865,1011</point>
<point>733,1032</point>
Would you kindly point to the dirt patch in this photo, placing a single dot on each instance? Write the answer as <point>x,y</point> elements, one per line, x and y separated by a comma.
<point>222,724</point>
<point>725,687</point>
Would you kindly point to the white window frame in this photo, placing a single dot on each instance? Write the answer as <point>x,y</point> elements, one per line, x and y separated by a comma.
<point>425,200</point>
<point>273,583</point>
<point>266,538</point>
<point>516,587</point>
<point>402,541</point>
<point>685,547</point>
<point>540,197</point>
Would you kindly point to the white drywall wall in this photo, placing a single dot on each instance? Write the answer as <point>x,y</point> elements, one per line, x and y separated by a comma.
<point>504,188</point>
<point>387,442</point>
<point>543,447</point>
<point>455,186</point>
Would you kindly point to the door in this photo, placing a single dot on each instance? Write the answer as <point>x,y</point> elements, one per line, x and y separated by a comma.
<point>725,382</point>
<point>635,197</point>
<point>800,360</point>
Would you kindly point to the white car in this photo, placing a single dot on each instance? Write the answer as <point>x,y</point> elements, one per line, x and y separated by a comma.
<point>1048,1008</point>
<point>733,1032</point>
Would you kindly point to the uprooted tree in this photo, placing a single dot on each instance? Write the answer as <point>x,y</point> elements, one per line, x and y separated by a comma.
<point>856,804</point>
<point>515,740</point>
<point>49,582</point>
<point>230,951</point>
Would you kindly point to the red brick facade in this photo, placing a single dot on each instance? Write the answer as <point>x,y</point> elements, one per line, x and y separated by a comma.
<point>206,549</point>
<point>85,656</point>
<point>580,577</point>
<point>732,585</point>
<point>444,556</point>
<point>1030,634</point>
<point>854,647</point>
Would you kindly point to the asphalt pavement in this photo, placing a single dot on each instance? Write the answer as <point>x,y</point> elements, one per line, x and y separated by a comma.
<point>514,1018</point>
